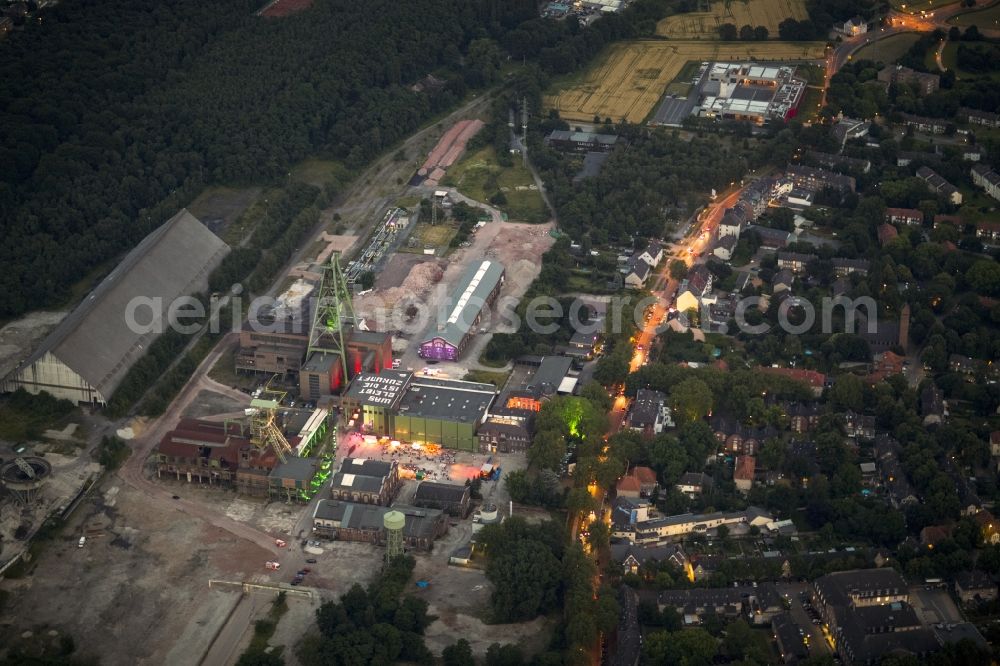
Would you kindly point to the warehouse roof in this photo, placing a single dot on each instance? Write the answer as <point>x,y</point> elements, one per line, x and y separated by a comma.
<point>447,400</point>
<point>348,515</point>
<point>296,468</point>
<point>94,340</point>
<point>440,492</point>
<point>468,299</point>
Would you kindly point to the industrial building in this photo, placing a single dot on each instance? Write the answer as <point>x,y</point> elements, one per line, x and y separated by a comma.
<point>478,289</point>
<point>347,521</point>
<point>404,407</point>
<point>275,340</point>
<point>750,92</point>
<point>223,453</point>
<point>448,497</point>
<point>88,355</point>
<point>366,481</point>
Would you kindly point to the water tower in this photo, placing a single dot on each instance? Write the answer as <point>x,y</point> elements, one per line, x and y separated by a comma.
<point>24,477</point>
<point>393,522</point>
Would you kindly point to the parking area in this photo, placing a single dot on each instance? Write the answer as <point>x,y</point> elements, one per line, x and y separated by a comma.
<point>805,617</point>
<point>934,605</point>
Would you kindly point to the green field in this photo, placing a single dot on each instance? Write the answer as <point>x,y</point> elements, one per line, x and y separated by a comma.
<point>888,50</point>
<point>479,176</point>
<point>984,18</point>
<point>319,172</point>
<point>916,6</point>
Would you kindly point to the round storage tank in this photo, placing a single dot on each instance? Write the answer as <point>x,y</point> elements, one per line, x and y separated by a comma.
<point>394,520</point>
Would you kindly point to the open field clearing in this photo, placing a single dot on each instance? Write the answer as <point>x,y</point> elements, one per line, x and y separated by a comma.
<point>888,50</point>
<point>705,25</point>
<point>915,6</point>
<point>629,79</point>
<point>479,176</point>
<point>984,18</point>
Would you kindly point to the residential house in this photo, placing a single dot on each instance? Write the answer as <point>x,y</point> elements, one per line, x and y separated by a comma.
<point>652,254</point>
<point>924,124</point>
<point>802,416</point>
<point>637,273</point>
<point>815,380</point>
<point>932,535</point>
<point>995,443</point>
<point>758,605</point>
<point>850,128</point>
<point>975,587</point>
<point>693,484</point>
<point>940,185</point>
<point>908,157</point>
<point>977,117</point>
<point>988,179</point>
<point>973,152</point>
<point>743,473</point>
<point>926,83</point>
<point>735,437</point>
<point>795,261</point>
<point>907,216</point>
<point>859,425</point>
<point>812,179</point>
<point>694,288</point>
<point>771,238</point>
<point>900,491</point>
<point>634,558</point>
<point>843,267</point>
<point>782,281</point>
<point>639,482</point>
<point>988,527</point>
<point>988,232</point>
<point>886,233</point>
<point>791,644</point>
<point>725,247</point>
<point>838,162</point>
<point>852,27</point>
<point>650,413</point>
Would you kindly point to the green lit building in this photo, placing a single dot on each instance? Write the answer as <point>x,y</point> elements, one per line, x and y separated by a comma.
<point>407,408</point>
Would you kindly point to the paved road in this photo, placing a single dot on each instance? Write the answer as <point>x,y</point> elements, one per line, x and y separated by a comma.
<point>134,471</point>
<point>629,634</point>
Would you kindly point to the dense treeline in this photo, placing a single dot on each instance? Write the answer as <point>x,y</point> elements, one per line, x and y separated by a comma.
<point>113,116</point>
<point>377,625</point>
<point>638,187</point>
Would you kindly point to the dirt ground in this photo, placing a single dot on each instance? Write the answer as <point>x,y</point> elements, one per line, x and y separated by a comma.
<point>209,403</point>
<point>399,267</point>
<point>140,581</point>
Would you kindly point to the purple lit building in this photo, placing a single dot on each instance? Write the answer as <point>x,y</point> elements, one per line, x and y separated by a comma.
<point>478,289</point>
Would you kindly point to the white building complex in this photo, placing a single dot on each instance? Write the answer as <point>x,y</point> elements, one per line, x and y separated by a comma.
<point>88,355</point>
<point>747,91</point>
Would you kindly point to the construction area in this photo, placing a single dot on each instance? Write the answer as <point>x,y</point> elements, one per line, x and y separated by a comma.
<point>704,24</point>
<point>629,80</point>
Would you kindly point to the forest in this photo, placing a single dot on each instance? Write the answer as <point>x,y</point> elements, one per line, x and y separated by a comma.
<point>113,116</point>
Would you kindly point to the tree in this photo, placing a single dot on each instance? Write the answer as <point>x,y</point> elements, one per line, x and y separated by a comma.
<point>728,32</point>
<point>848,393</point>
<point>746,33</point>
<point>984,278</point>
<point>458,654</point>
<point>689,647</point>
<point>525,576</point>
<point>678,269</point>
<point>507,654</point>
<point>761,33</point>
<point>259,658</point>
<point>691,400</point>
<point>547,449</point>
